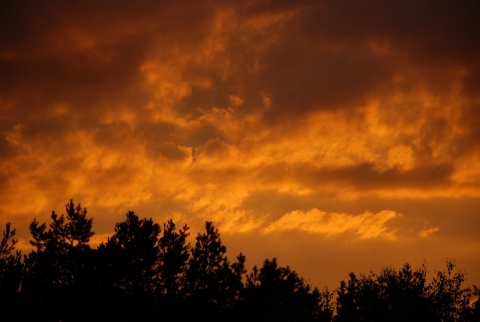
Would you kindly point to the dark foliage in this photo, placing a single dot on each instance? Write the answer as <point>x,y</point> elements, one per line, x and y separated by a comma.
<point>212,283</point>
<point>11,269</point>
<point>276,293</point>
<point>172,264</point>
<point>59,272</point>
<point>127,268</point>
<point>405,295</point>
<point>143,274</point>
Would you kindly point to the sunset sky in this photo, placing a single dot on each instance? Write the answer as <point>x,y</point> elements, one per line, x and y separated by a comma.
<point>337,136</point>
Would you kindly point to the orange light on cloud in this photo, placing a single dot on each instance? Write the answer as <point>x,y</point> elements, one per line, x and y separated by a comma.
<point>277,121</point>
<point>363,226</point>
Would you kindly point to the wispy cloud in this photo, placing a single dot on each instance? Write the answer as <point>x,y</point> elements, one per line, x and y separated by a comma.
<point>363,226</point>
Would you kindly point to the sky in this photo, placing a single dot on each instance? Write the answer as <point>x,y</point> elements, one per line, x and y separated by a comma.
<point>337,136</point>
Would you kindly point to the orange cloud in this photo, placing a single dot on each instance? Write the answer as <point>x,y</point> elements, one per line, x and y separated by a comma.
<point>244,114</point>
<point>364,226</point>
<point>428,232</point>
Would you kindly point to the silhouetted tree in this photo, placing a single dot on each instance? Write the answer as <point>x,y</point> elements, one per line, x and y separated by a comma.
<point>404,295</point>
<point>173,256</point>
<point>65,233</point>
<point>136,243</point>
<point>11,268</point>
<point>58,276</point>
<point>213,284</point>
<point>475,309</point>
<point>449,301</point>
<point>129,268</point>
<point>348,298</point>
<point>140,275</point>
<point>276,293</point>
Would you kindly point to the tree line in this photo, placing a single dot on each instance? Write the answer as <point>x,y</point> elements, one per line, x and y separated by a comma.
<point>145,272</point>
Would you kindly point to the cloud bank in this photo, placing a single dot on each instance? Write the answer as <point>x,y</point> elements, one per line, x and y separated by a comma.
<point>270,118</point>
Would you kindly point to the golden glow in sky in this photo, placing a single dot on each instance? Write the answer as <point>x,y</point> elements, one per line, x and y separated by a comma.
<point>337,136</point>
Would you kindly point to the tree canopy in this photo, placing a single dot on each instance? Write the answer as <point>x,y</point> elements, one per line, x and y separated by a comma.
<point>144,273</point>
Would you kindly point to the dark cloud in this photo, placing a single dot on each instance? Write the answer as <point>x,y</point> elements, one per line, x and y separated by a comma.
<point>7,149</point>
<point>87,53</point>
<point>199,135</point>
<point>301,79</point>
<point>322,58</point>
<point>471,112</point>
<point>158,131</point>
<point>199,99</point>
<point>173,153</point>
<point>364,176</point>
<point>433,31</point>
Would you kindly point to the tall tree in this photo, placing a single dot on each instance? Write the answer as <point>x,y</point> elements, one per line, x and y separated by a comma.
<point>347,300</point>
<point>127,270</point>
<point>10,262</point>
<point>174,252</point>
<point>65,233</point>
<point>11,268</point>
<point>213,283</point>
<point>78,229</point>
<point>59,270</point>
<point>134,247</point>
